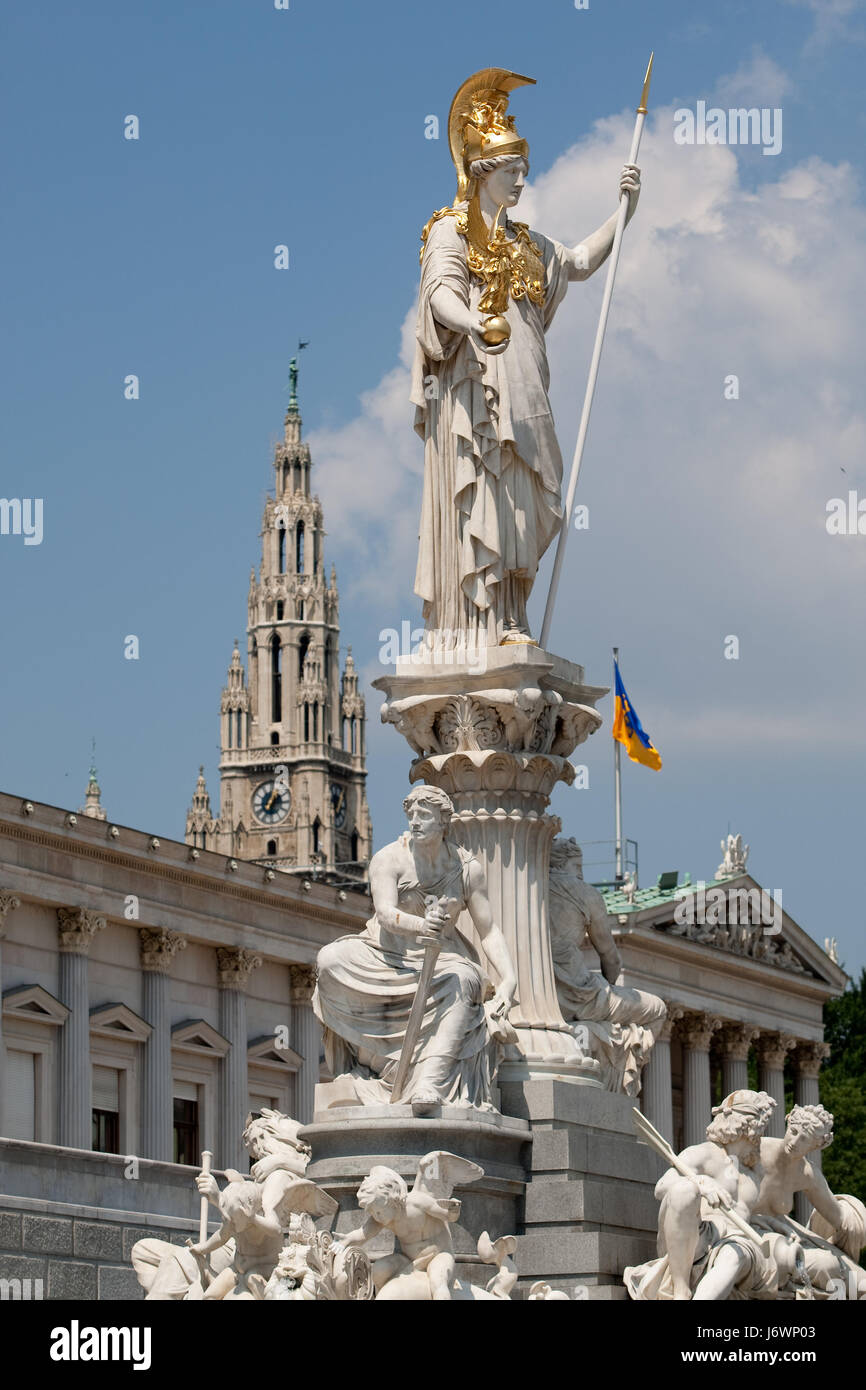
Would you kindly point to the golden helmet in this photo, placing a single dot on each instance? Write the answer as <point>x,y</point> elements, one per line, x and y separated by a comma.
<point>478,127</point>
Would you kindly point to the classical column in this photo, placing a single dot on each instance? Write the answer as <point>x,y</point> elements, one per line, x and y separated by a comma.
<point>736,1039</point>
<point>158,949</point>
<point>235,964</point>
<point>808,1059</point>
<point>656,1093</point>
<point>8,903</point>
<point>306,1037</point>
<point>771,1076</point>
<point>77,926</point>
<point>695,1032</point>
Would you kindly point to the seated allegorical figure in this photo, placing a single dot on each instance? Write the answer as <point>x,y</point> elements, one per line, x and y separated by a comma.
<point>366,985</point>
<point>623,1023</point>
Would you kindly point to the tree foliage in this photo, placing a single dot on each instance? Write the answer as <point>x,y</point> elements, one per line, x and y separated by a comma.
<point>843,1089</point>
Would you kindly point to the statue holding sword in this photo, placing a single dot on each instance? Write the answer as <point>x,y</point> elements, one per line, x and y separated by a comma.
<point>409,1013</point>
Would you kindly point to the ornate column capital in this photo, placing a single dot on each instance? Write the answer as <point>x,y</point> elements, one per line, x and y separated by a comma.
<point>808,1057</point>
<point>675,1013</point>
<point>159,946</point>
<point>736,1039</point>
<point>696,1031</point>
<point>78,926</point>
<point>302,983</point>
<point>235,964</point>
<point>772,1048</point>
<point>8,903</point>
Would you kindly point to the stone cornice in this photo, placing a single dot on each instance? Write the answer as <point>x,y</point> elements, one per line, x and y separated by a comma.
<point>333,914</point>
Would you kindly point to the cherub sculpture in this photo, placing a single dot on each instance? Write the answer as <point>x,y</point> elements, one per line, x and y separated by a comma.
<point>422,1267</point>
<point>255,1215</point>
<point>254,1212</point>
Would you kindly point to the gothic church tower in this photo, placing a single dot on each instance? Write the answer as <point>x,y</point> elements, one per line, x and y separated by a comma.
<point>292,766</point>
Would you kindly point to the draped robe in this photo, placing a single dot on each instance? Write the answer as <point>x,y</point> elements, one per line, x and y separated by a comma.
<point>366,987</point>
<point>492,466</point>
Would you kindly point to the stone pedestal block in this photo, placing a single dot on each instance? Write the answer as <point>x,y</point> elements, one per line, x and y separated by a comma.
<point>589,1209</point>
<point>348,1142</point>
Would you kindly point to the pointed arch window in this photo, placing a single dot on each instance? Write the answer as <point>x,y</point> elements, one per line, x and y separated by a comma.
<point>317,833</point>
<point>272,847</point>
<point>354,734</point>
<point>306,722</point>
<point>356,845</point>
<point>281,608</point>
<point>316,722</point>
<point>303,648</point>
<point>276,680</point>
<point>299,548</point>
<point>281,549</point>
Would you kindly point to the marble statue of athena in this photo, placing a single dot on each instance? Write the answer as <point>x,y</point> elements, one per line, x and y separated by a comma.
<point>489,291</point>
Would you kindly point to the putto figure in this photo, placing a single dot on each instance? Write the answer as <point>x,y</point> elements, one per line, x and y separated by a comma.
<point>489,290</point>
<point>422,1267</point>
<point>367,984</point>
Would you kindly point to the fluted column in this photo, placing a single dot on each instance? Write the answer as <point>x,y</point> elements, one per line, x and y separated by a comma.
<point>772,1048</point>
<point>8,903</point>
<point>235,964</point>
<point>808,1059</point>
<point>77,927</point>
<point>696,1032</point>
<point>736,1039</point>
<point>306,1037</point>
<point>656,1091</point>
<point>158,949</point>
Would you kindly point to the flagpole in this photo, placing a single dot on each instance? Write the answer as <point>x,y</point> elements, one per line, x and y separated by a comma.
<point>593,370</point>
<point>617,784</point>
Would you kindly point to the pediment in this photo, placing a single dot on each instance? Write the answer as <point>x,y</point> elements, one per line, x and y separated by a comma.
<point>737,917</point>
<point>266,1052</point>
<point>199,1037</point>
<point>34,1003</point>
<point>119,1021</point>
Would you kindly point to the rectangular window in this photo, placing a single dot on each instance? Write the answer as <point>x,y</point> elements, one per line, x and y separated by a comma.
<point>20,1095</point>
<point>186,1145</point>
<point>105,1128</point>
<point>105,1131</point>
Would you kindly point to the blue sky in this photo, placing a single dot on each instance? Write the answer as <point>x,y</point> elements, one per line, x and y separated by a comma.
<point>306,127</point>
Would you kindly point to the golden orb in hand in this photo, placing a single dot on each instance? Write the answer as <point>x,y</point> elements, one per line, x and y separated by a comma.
<point>496,330</point>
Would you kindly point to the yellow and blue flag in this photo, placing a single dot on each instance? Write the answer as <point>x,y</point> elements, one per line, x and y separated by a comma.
<point>627,729</point>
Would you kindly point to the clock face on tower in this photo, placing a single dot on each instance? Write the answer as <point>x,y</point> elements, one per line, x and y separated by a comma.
<point>271,802</point>
<point>338,803</point>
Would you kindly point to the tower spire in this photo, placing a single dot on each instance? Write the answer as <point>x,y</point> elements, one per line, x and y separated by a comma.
<point>92,806</point>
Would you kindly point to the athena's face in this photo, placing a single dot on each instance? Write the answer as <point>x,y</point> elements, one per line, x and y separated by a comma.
<point>504,186</point>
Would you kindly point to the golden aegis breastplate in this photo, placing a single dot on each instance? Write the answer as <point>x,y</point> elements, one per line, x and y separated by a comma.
<point>507,267</point>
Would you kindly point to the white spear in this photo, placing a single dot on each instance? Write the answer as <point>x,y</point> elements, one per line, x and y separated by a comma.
<point>593,370</point>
